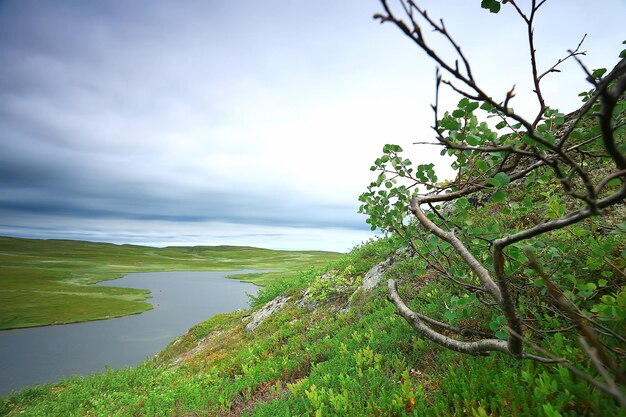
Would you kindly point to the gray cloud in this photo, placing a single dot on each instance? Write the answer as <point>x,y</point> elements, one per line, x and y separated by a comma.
<point>189,114</point>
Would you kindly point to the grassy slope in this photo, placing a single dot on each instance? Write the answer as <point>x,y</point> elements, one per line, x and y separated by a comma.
<point>51,281</point>
<point>366,362</point>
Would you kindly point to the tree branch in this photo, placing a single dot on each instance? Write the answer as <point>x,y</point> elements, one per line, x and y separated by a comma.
<point>482,346</point>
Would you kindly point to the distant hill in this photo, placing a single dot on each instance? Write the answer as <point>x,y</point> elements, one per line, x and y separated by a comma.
<point>51,281</point>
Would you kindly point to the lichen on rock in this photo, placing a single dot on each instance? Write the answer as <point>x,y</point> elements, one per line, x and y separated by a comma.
<point>266,311</point>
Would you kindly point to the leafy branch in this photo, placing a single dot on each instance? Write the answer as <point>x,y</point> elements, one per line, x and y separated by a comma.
<point>574,164</point>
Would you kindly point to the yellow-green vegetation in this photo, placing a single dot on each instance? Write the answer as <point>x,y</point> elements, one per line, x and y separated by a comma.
<point>547,335</point>
<point>324,362</point>
<point>46,282</point>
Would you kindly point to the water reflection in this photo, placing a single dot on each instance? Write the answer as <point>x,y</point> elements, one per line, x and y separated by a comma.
<point>180,300</point>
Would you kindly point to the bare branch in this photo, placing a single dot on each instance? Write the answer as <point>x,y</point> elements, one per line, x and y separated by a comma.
<point>570,54</point>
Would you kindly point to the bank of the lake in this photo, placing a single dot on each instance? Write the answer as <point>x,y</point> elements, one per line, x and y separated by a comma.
<point>45,282</point>
<point>180,299</point>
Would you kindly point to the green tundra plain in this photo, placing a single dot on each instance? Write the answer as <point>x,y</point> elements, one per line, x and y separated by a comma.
<point>45,282</point>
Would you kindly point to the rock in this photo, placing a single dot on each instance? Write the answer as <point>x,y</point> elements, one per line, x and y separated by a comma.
<point>373,276</point>
<point>306,302</point>
<point>266,311</point>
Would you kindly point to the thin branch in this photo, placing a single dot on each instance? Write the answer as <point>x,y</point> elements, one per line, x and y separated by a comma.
<point>606,180</point>
<point>458,330</point>
<point>570,54</point>
<point>568,219</point>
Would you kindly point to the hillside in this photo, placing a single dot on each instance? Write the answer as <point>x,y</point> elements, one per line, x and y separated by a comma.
<point>314,357</point>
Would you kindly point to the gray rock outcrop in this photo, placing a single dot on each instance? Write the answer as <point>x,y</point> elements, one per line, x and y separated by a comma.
<point>373,276</point>
<point>266,311</point>
<point>306,302</point>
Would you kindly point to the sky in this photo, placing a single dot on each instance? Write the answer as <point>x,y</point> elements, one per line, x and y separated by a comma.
<point>231,122</point>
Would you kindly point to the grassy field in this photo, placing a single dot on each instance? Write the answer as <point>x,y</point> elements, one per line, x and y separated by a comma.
<point>321,362</point>
<point>46,282</point>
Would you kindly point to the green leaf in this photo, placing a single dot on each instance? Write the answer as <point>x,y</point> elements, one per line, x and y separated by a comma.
<point>498,196</point>
<point>502,178</point>
<point>473,140</point>
<point>501,125</point>
<point>499,180</point>
<point>579,231</point>
<point>492,5</point>
<point>462,203</point>
<point>597,73</point>
<point>487,107</point>
<point>458,113</point>
<point>501,334</point>
<point>482,165</point>
<point>576,134</point>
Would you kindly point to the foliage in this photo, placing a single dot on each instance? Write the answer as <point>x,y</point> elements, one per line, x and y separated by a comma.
<point>333,284</point>
<point>529,227</point>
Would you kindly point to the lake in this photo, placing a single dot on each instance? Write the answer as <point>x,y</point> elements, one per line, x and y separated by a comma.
<point>180,300</point>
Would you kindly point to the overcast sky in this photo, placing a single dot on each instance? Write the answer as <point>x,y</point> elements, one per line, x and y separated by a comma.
<point>239,122</point>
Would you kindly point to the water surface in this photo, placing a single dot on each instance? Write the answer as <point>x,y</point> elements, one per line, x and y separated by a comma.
<point>180,300</point>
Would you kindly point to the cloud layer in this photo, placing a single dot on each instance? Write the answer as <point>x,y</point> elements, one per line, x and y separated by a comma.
<point>215,122</point>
